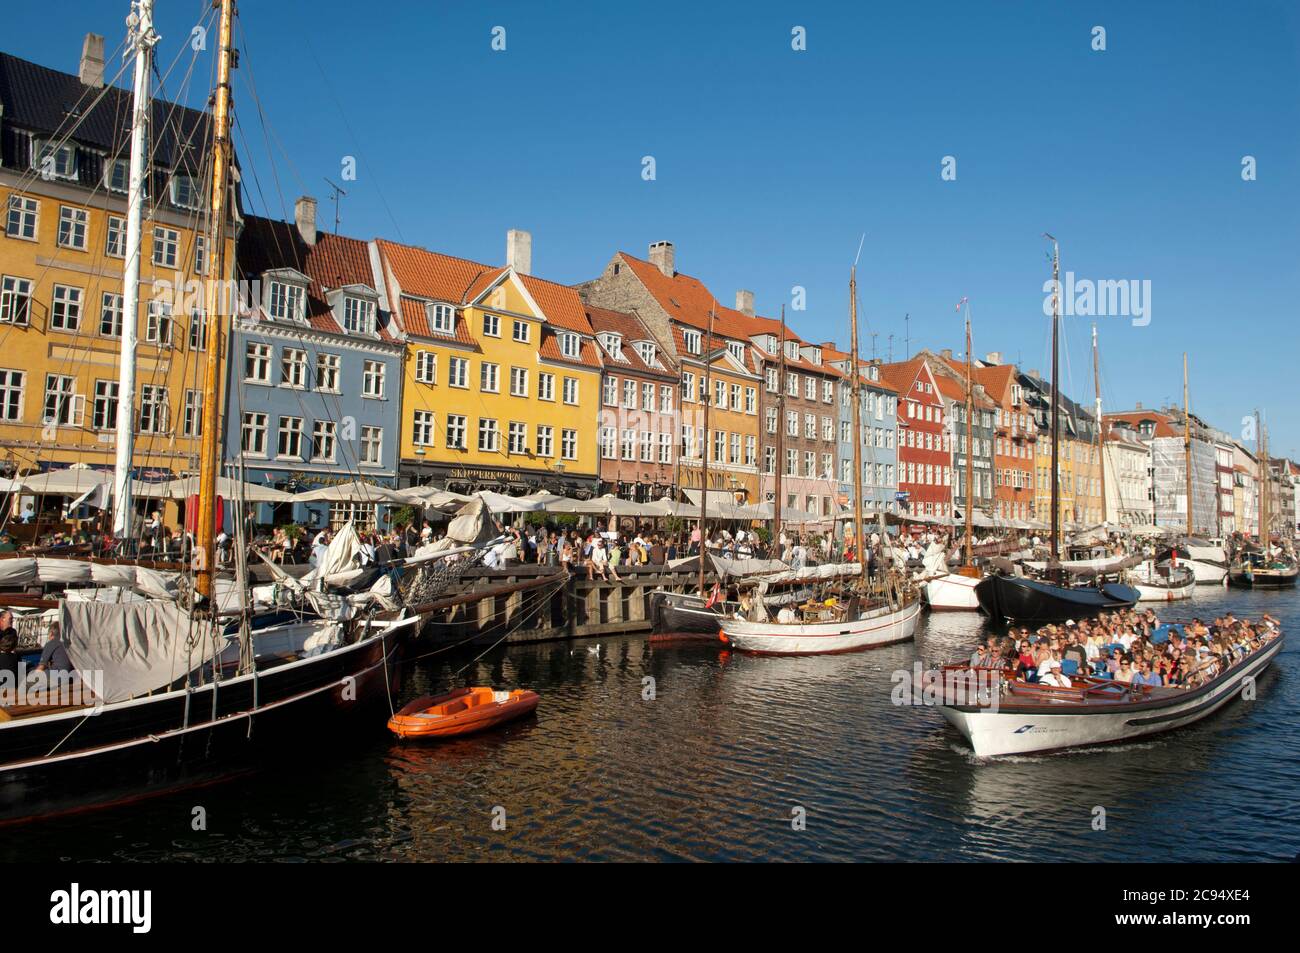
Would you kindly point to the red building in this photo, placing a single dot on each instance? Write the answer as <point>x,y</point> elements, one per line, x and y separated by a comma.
<point>924,450</point>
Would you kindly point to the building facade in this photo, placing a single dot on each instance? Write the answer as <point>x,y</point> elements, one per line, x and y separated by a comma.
<point>63,181</point>
<point>924,440</point>
<point>878,438</point>
<point>314,390</point>
<point>1127,462</point>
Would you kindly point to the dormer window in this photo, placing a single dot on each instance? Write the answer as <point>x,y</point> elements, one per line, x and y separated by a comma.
<point>569,344</point>
<point>816,355</point>
<point>770,344</point>
<point>53,160</point>
<point>117,175</point>
<point>736,350</point>
<point>442,318</point>
<point>647,352</point>
<point>185,192</point>
<point>792,350</point>
<point>692,341</point>
<point>286,301</point>
<point>873,373</point>
<point>358,315</point>
<point>612,343</point>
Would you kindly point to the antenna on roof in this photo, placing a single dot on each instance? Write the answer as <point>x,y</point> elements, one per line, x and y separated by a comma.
<point>907,336</point>
<point>337,191</point>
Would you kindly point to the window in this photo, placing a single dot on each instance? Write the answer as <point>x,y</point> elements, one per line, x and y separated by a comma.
<point>828,392</point>
<point>11,394</point>
<point>648,397</point>
<point>372,446</point>
<point>489,437</point>
<point>629,395</point>
<point>629,444</point>
<point>192,419</point>
<point>719,446</point>
<point>771,419</point>
<point>322,441</point>
<point>828,466</point>
<point>115,237</point>
<point>519,382</point>
<point>327,373</point>
<point>791,461</point>
<point>688,386</point>
<point>569,444</point>
<point>117,176</point>
<point>198,331</point>
<point>569,344</point>
<point>546,387</point>
<point>458,372</point>
<point>735,448</point>
<point>751,400</point>
<point>21,221</point>
<point>608,443</point>
<point>15,300</point>
<point>426,367</point>
<point>51,160</point>
<point>358,315</point>
<point>520,332</point>
<point>791,423</point>
<point>103,413</point>
<point>719,393</point>
<point>769,459</point>
<point>792,385</point>
<point>737,350</point>
<point>773,382</point>
<point>372,379</point>
<point>646,351</point>
<point>166,245</point>
<point>154,409</point>
<point>257,364</point>
<point>647,446</point>
<point>200,254</point>
<point>110,315</point>
<point>65,313</point>
<point>665,399</point>
<point>442,318</point>
<point>545,441</point>
<point>665,447</point>
<point>735,397</point>
<point>158,324</point>
<point>488,377</point>
<point>692,341</point>
<point>286,302</point>
<point>422,431</point>
<point>289,443</point>
<point>72,227</point>
<point>517,437</point>
<point>609,393</point>
<point>828,428</point>
<point>254,434</point>
<point>293,368</point>
<point>62,405</point>
<point>570,390</point>
<point>810,426</point>
<point>361,515</point>
<point>492,325</point>
<point>185,192</point>
<point>455,432</point>
<point>809,463</point>
<point>751,450</point>
<point>810,388</point>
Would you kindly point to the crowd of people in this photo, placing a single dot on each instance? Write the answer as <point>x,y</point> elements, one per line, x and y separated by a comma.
<point>1129,646</point>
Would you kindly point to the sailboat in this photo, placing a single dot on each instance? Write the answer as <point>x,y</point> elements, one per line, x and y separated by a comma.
<point>167,692</point>
<point>857,615</point>
<point>1264,568</point>
<point>955,590</point>
<point>1050,599</point>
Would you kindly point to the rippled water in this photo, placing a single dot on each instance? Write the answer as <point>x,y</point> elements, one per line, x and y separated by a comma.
<point>717,764</point>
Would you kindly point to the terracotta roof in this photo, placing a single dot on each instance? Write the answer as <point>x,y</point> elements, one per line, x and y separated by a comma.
<point>333,262</point>
<point>901,375</point>
<point>631,330</point>
<point>759,325</point>
<point>415,319</point>
<point>1135,417</point>
<point>996,378</point>
<point>686,299</point>
<point>588,353</point>
<point>431,274</point>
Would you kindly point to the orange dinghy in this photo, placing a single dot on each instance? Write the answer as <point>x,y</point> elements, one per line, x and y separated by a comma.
<point>461,712</point>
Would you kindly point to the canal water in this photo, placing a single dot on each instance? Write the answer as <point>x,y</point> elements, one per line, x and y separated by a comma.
<point>645,751</point>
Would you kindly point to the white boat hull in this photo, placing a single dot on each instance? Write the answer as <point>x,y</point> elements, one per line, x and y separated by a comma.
<point>1163,593</point>
<point>1009,732</point>
<point>1206,573</point>
<point>952,592</point>
<point>883,626</point>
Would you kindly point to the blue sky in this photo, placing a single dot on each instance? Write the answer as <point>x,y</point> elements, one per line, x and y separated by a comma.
<point>771,163</point>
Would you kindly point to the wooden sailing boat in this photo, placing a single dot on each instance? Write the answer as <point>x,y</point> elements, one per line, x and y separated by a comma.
<point>955,591</point>
<point>862,613</point>
<point>193,700</point>
<point>1263,568</point>
<point>1051,599</point>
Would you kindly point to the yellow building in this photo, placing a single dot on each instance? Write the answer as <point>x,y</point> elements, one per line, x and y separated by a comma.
<point>501,380</point>
<point>63,180</point>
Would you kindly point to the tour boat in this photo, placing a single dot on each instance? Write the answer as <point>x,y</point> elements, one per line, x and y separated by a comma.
<point>1162,583</point>
<point>461,712</point>
<point>1011,718</point>
<point>872,628</point>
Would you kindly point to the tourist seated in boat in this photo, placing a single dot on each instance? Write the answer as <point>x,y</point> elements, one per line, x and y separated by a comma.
<point>1146,675</point>
<point>1049,674</point>
<point>54,655</point>
<point>1027,667</point>
<point>1124,672</point>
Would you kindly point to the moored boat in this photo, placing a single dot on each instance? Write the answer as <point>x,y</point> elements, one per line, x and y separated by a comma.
<point>1027,600</point>
<point>954,591</point>
<point>1162,583</point>
<point>1254,571</point>
<point>462,711</point>
<point>880,625</point>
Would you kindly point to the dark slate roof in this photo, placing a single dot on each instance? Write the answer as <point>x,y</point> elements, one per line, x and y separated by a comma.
<point>41,101</point>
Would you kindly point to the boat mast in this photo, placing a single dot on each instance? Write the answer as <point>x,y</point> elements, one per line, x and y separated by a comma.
<point>1055,400</point>
<point>704,449</point>
<point>970,450</point>
<point>780,441</point>
<point>855,388</point>
<point>1187,446</point>
<point>205,536</point>
<point>1261,448</point>
<point>1101,438</point>
<point>144,39</point>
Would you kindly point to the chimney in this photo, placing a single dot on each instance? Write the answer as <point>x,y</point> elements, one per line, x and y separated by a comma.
<point>946,354</point>
<point>519,250</point>
<point>745,302</point>
<point>304,214</point>
<point>1139,405</point>
<point>92,60</point>
<point>1036,375</point>
<point>661,256</point>
<point>993,357</point>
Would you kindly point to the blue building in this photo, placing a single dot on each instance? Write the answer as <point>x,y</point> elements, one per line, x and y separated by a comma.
<point>879,416</point>
<point>314,375</point>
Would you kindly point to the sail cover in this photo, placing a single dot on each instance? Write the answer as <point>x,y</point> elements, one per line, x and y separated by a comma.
<point>138,647</point>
